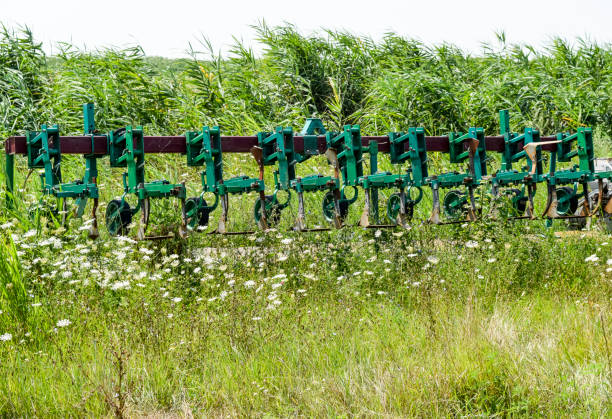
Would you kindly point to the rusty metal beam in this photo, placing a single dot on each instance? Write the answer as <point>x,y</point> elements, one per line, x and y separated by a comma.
<point>235,144</point>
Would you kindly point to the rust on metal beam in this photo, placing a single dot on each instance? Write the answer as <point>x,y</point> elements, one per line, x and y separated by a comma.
<point>236,144</point>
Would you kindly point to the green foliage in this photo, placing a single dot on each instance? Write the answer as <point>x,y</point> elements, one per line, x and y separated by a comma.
<point>338,76</point>
<point>437,321</point>
<point>23,79</point>
<point>13,296</point>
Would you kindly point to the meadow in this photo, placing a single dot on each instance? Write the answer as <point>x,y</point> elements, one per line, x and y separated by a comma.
<point>482,319</point>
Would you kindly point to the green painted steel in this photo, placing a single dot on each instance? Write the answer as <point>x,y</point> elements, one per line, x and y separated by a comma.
<point>529,175</point>
<point>458,203</point>
<point>278,149</point>
<point>204,149</point>
<point>347,145</point>
<point>126,150</point>
<point>44,152</point>
<point>453,193</point>
<point>400,205</point>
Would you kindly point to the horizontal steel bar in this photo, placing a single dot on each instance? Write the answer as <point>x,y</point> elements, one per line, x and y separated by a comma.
<point>237,144</point>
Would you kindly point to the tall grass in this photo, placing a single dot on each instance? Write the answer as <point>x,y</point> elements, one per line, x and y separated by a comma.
<point>13,295</point>
<point>337,76</point>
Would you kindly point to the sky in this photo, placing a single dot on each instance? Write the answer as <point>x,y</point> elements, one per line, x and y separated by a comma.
<point>165,28</point>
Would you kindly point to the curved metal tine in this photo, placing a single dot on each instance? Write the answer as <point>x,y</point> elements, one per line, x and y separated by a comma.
<point>93,232</point>
<point>64,211</point>
<point>263,219</point>
<point>472,209</point>
<point>530,210</point>
<point>300,222</point>
<point>552,203</point>
<point>530,150</point>
<point>435,212</point>
<point>586,206</point>
<point>472,148</point>
<point>364,221</point>
<point>597,207</point>
<point>337,216</point>
<point>608,207</point>
<point>332,156</point>
<point>142,229</point>
<point>183,232</point>
<point>221,227</point>
<point>257,153</point>
<point>402,217</point>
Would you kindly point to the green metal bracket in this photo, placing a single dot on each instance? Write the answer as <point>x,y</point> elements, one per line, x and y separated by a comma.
<point>126,148</point>
<point>417,152</point>
<point>310,132</point>
<point>347,145</point>
<point>583,139</point>
<point>457,203</point>
<point>204,148</point>
<point>528,176</point>
<point>44,152</point>
<point>400,204</point>
<point>278,148</point>
<point>459,150</point>
<point>91,163</point>
<point>512,153</point>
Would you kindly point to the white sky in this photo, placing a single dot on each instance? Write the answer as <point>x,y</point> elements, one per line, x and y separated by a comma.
<point>166,27</point>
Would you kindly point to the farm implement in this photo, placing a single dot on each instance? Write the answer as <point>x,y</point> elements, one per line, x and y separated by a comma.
<point>577,184</point>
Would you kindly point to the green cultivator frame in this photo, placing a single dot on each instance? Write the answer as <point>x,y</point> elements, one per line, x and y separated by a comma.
<point>400,205</point>
<point>44,152</point>
<point>204,149</point>
<point>462,147</point>
<point>580,191</point>
<point>126,150</point>
<point>525,148</point>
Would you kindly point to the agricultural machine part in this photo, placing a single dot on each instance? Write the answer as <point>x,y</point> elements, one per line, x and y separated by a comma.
<point>334,211</point>
<point>118,217</point>
<point>400,205</point>
<point>44,152</point>
<point>470,147</point>
<point>349,153</point>
<point>345,153</point>
<point>517,148</point>
<point>204,149</point>
<point>563,202</point>
<point>126,149</point>
<point>278,148</point>
<point>344,150</point>
<point>601,194</point>
<point>455,203</point>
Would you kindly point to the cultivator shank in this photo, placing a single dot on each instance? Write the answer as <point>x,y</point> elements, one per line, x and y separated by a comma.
<point>126,150</point>
<point>44,152</point>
